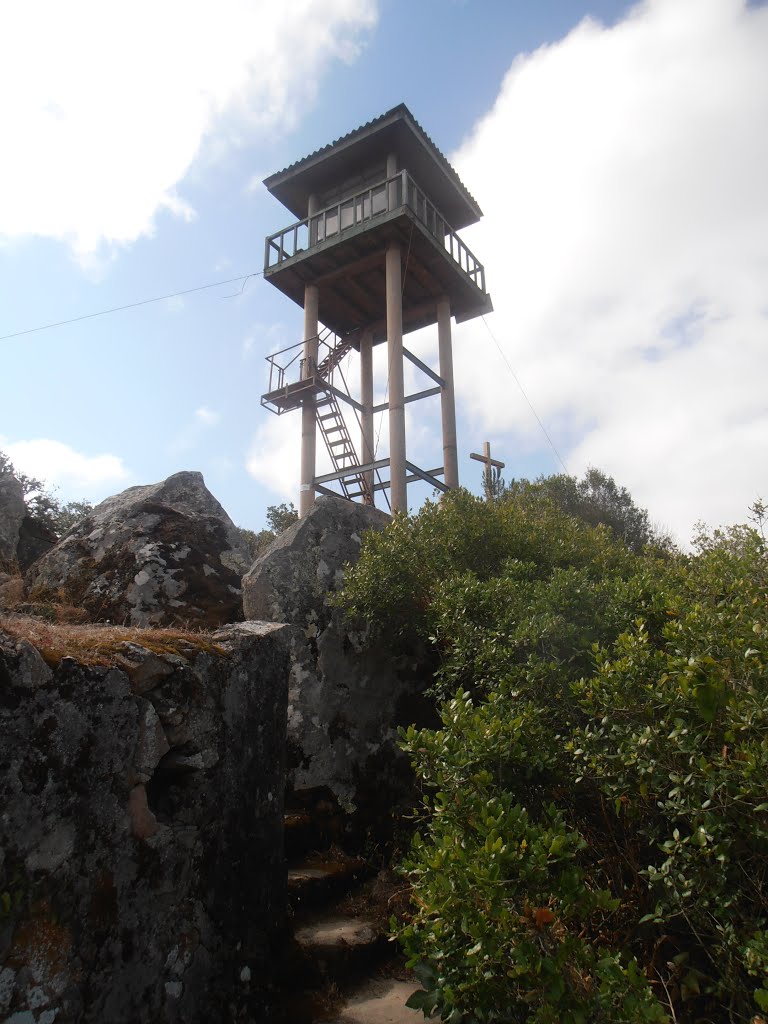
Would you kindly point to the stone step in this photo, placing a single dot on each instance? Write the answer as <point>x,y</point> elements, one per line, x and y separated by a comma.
<point>305,832</point>
<point>379,1001</point>
<point>339,946</point>
<point>321,879</point>
<point>313,821</point>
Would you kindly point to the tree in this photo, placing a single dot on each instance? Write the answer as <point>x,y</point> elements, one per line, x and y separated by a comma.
<point>280,517</point>
<point>596,499</point>
<point>42,506</point>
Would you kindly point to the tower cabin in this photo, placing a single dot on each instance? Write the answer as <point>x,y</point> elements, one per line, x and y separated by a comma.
<point>373,255</point>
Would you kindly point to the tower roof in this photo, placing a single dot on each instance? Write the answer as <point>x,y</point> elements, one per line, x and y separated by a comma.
<point>397,131</point>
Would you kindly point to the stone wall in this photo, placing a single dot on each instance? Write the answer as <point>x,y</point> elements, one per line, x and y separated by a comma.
<point>141,864</point>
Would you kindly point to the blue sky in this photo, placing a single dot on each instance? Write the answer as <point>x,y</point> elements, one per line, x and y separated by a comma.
<point>619,153</point>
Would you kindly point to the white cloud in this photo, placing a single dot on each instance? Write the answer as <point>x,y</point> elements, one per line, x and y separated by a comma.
<point>107,105</point>
<point>187,438</point>
<point>273,458</point>
<point>207,417</point>
<point>58,465</point>
<point>622,172</point>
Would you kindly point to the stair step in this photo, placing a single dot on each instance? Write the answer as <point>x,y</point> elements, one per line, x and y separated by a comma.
<point>380,1001</point>
<point>314,881</point>
<point>335,936</point>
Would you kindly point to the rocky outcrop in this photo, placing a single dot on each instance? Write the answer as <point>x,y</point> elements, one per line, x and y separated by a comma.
<point>35,540</point>
<point>347,695</point>
<point>12,512</point>
<point>161,554</point>
<point>141,866</point>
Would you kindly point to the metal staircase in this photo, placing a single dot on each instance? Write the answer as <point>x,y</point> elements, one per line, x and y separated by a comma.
<point>341,348</point>
<point>315,383</point>
<point>341,449</point>
<point>333,426</point>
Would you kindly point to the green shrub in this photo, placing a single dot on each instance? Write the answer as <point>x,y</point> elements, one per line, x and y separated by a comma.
<point>595,823</point>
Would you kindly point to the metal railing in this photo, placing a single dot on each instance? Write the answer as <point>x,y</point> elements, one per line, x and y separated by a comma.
<point>393,193</point>
<point>288,366</point>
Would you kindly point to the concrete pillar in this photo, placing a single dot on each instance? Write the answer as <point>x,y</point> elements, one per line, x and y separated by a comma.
<point>366,400</point>
<point>447,398</point>
<point>308,411</point>
<point>397,470</point>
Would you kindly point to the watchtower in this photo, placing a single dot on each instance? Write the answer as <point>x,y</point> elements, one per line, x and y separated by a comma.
<point>373,256</point>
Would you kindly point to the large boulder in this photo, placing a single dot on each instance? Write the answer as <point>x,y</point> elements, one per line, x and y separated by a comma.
<point>12,512</point>
<point>141,865</point>
<point>347,695</point>
<point>35,540</point>
<point>161,554</point>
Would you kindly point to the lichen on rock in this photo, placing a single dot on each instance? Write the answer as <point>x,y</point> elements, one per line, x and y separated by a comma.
<point>346,693</point>
<point>161,554</point>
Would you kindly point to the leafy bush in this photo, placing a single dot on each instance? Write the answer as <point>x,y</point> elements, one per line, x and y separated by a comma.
<point>595,823</point>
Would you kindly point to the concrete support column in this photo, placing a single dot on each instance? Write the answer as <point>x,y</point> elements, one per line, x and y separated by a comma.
<point>308,411</point>
<point>366,400</point>
<point>397,470</point>
<point>447,398</point>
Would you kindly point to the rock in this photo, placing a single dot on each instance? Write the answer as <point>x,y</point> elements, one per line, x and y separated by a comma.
<point>381,1001</point>
<point>35,540</point>
<point>130,887</point>
<point>11,590</point>
<point>333,935</point>
<point>12,513</point>
<point>157,555</point>
<point>144,669</point>
<point>347,695</point>
<point>152,743</point>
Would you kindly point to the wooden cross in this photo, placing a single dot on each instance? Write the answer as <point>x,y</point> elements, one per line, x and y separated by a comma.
<point>489,463</point>
<point>486,458</point>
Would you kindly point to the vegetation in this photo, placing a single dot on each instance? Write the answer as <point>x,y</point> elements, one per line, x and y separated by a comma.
<point>596,499</point>
<point>94,644</point>
<point>279,517</point>
<point>593,836</point>
<point>42,506</point>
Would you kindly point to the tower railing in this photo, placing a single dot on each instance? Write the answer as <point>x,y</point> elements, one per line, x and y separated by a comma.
<point>289,364</point>
<point>393,193</point>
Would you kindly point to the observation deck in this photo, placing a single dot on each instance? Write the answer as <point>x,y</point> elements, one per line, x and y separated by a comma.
<point>341,248</point>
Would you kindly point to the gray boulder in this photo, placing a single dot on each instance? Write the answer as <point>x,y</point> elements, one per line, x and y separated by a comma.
<point>35,540</point>
<point>347,695</point>
<point>160,554</point>
<point>12,513</point>
<point>141,861</point>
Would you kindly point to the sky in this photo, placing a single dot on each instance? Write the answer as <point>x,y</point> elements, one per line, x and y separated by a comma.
<point>619,153</point>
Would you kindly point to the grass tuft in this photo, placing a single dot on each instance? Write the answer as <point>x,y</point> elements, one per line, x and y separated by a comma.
<point>93,644</point>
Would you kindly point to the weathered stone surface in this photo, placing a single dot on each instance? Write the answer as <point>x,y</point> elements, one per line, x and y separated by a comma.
<point>35,540</point>
<point>140,836</point>
<point>347,695</point>
<point>381,1001</point>
<point>12,512</point>
<point>162,554</point>
<point>11,590</point>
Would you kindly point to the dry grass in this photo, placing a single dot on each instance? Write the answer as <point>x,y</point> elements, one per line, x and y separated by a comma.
<point>93,644</point>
